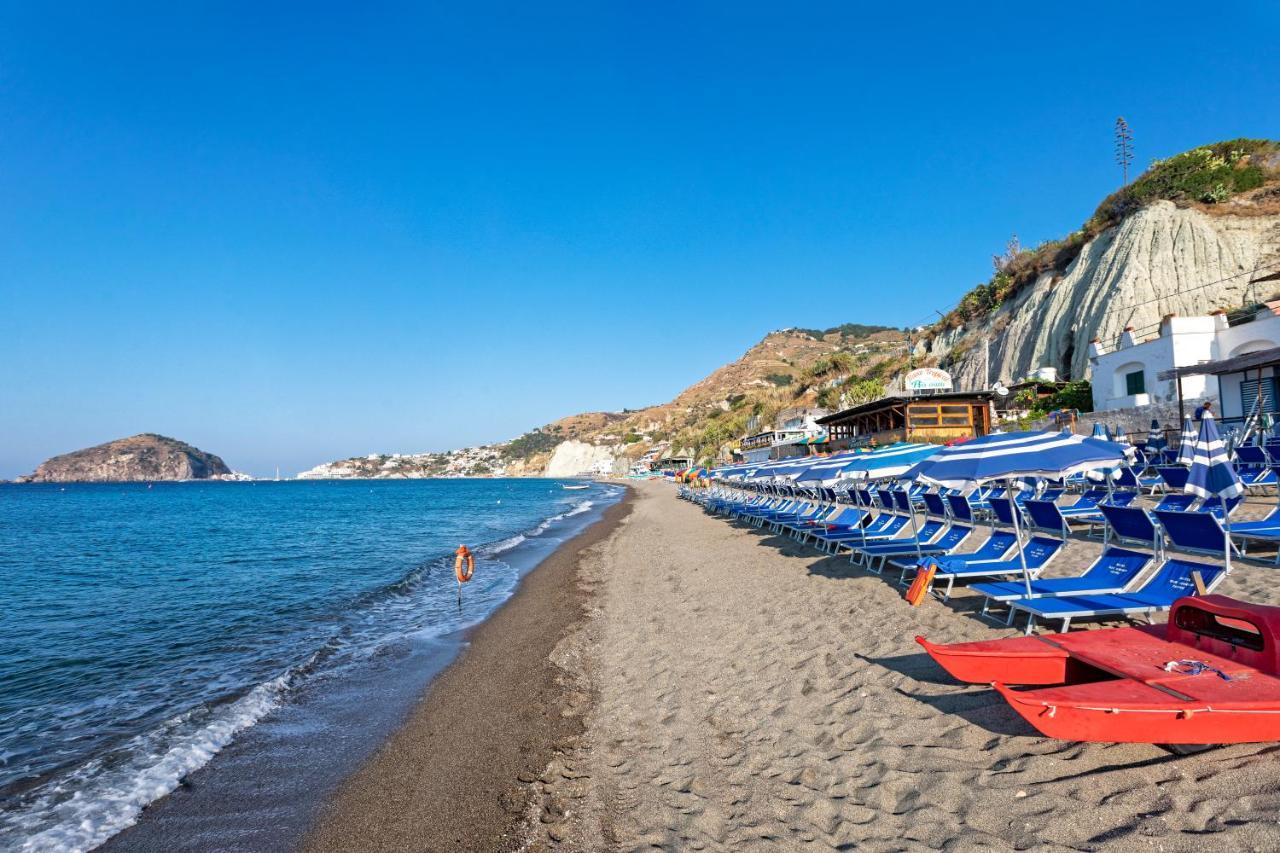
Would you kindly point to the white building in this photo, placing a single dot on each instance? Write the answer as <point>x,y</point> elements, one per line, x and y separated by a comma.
<point>1127,377</point>
<point>797,430</point>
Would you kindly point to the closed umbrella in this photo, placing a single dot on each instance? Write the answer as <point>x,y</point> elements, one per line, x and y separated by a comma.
<point>1212,475</point>
<point>1100,431</point>
<point>1186,443</point>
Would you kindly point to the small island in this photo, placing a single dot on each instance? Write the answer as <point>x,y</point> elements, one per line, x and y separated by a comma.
<point>145,457</point>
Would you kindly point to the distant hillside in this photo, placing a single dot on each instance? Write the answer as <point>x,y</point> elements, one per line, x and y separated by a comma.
<point>789,368</point>
<point>146,457</point>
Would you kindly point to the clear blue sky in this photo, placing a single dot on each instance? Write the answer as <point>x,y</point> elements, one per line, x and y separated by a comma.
<point>293,234</point>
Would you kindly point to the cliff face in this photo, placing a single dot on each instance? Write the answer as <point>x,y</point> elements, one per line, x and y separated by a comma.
<point>145,457</point>
<point>1161,260</point>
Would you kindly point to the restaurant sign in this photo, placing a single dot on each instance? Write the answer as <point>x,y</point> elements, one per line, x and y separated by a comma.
<point>928,379</point>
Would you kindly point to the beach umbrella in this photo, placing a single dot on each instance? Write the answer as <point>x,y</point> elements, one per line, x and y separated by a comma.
<point>1155,438</point>
<point>1187,442</point>
<point>1212,475</point>
<point>1100,431</point>
<point>890,461</point>
<point>1119,435</point>
<point>825,471</point>
<point>1014,456</point>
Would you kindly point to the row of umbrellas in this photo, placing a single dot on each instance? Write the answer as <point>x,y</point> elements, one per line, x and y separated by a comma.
<point>1010,458</point>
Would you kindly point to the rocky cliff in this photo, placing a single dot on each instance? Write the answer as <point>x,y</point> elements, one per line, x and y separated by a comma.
<point>145,457</point>
<point>1161,260</point>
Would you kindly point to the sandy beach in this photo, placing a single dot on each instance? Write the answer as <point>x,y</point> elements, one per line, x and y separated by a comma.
<point>672,681</point>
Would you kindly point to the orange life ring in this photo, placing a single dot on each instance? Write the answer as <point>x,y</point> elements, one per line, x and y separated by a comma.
<point>464,559</point>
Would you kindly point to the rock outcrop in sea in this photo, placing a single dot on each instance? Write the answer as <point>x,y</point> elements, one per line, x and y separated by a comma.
<point>146,457</point>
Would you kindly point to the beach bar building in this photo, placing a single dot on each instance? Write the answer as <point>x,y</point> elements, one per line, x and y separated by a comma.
<point>1248,384</point>
<point>932,417</point>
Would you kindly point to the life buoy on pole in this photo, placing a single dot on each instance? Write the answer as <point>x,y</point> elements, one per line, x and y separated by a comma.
<point>465,565</point>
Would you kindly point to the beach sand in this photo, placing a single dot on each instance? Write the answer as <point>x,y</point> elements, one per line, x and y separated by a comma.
<point>702,685</point>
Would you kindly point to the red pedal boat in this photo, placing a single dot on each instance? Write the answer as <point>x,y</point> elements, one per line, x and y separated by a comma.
<point>1208,676</point>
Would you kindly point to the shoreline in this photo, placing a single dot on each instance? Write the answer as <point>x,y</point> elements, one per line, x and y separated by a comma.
<point>267,788</point>
<point>460,772</point>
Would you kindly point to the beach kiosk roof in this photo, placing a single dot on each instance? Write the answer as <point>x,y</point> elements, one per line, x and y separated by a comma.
<point>937,417</point>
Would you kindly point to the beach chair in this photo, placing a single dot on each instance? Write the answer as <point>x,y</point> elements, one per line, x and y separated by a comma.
<point>1177,501</point>
<point>1131,525</point>
<point>1174,476</point>
<point>1046,516</point>
<point>1193,532</point>
<point>1219,508</point>
<point>925,533</point>
<point>846,518</point>
<point>1174,580</point>
<point>1038,552</point>
<point>953,536</point>
<point>997,548</point>
<point>1115,570</point>
<point>1253,465</point>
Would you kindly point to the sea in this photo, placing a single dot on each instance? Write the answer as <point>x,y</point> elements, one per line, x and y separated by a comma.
<point>198,665</point>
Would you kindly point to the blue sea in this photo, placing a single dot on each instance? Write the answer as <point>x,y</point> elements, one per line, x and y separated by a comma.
<point>145,629</point>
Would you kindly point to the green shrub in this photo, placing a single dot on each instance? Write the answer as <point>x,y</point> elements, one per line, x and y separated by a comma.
<point>781,380</point>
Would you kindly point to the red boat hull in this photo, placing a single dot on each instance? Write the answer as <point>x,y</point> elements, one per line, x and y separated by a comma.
<point>1020,660</point>
<point>1064,714</point>
<point>1208,677</point>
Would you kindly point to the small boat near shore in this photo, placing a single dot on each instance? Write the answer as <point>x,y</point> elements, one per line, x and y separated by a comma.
<point>575,487</point>
<point>1209,676</point>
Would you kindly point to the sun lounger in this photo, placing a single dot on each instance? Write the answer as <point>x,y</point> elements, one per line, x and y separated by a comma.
<point>1174,476</point>
<point>1038,552</point>
<point>1193,532</point>
<point>997,548</point>
<point>1115,570</point>
<point>1131,525</point>
<point>1174,580</point>
<point>952,538</point>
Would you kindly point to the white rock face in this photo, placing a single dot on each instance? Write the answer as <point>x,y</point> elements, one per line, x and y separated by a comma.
<point>575,458</point>
<point>1160,260</point>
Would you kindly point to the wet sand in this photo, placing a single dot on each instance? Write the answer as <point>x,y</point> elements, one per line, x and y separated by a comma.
<point>458,774</point>
<point>678,682</point>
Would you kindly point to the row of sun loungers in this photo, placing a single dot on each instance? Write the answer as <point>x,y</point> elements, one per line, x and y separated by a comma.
<point>1135,575</point>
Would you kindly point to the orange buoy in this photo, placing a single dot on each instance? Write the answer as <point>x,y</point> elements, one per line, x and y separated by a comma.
<point>465,566</point>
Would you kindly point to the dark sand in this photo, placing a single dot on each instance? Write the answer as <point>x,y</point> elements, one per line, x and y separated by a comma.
<point>461,773</point>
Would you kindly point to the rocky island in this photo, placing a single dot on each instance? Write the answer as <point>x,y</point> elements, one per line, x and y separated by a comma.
<point>138,458</point>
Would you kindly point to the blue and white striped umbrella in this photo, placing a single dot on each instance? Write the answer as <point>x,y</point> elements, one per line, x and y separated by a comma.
<point>1119,435</point>
<point>1212,475</point>
<point>825,472</point>
<point>1100,431</point>
<point>1155,438</point>
<point>891,461</point>
<point>1187,442</point>
<point>1017,454</point>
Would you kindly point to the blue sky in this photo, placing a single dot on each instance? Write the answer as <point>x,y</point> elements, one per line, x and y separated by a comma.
<point>295,234</point>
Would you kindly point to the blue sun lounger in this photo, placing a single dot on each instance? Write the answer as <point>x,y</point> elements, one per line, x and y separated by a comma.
<point>952,538</point>
<point>1173,581</point>
<point>1193,532</point>
<point>1115,570</point>
<point>1038,552</point>
<point>1131,525</point>
<point>1174,476</point>
<point>847,519</point>
<point>996,549</point>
